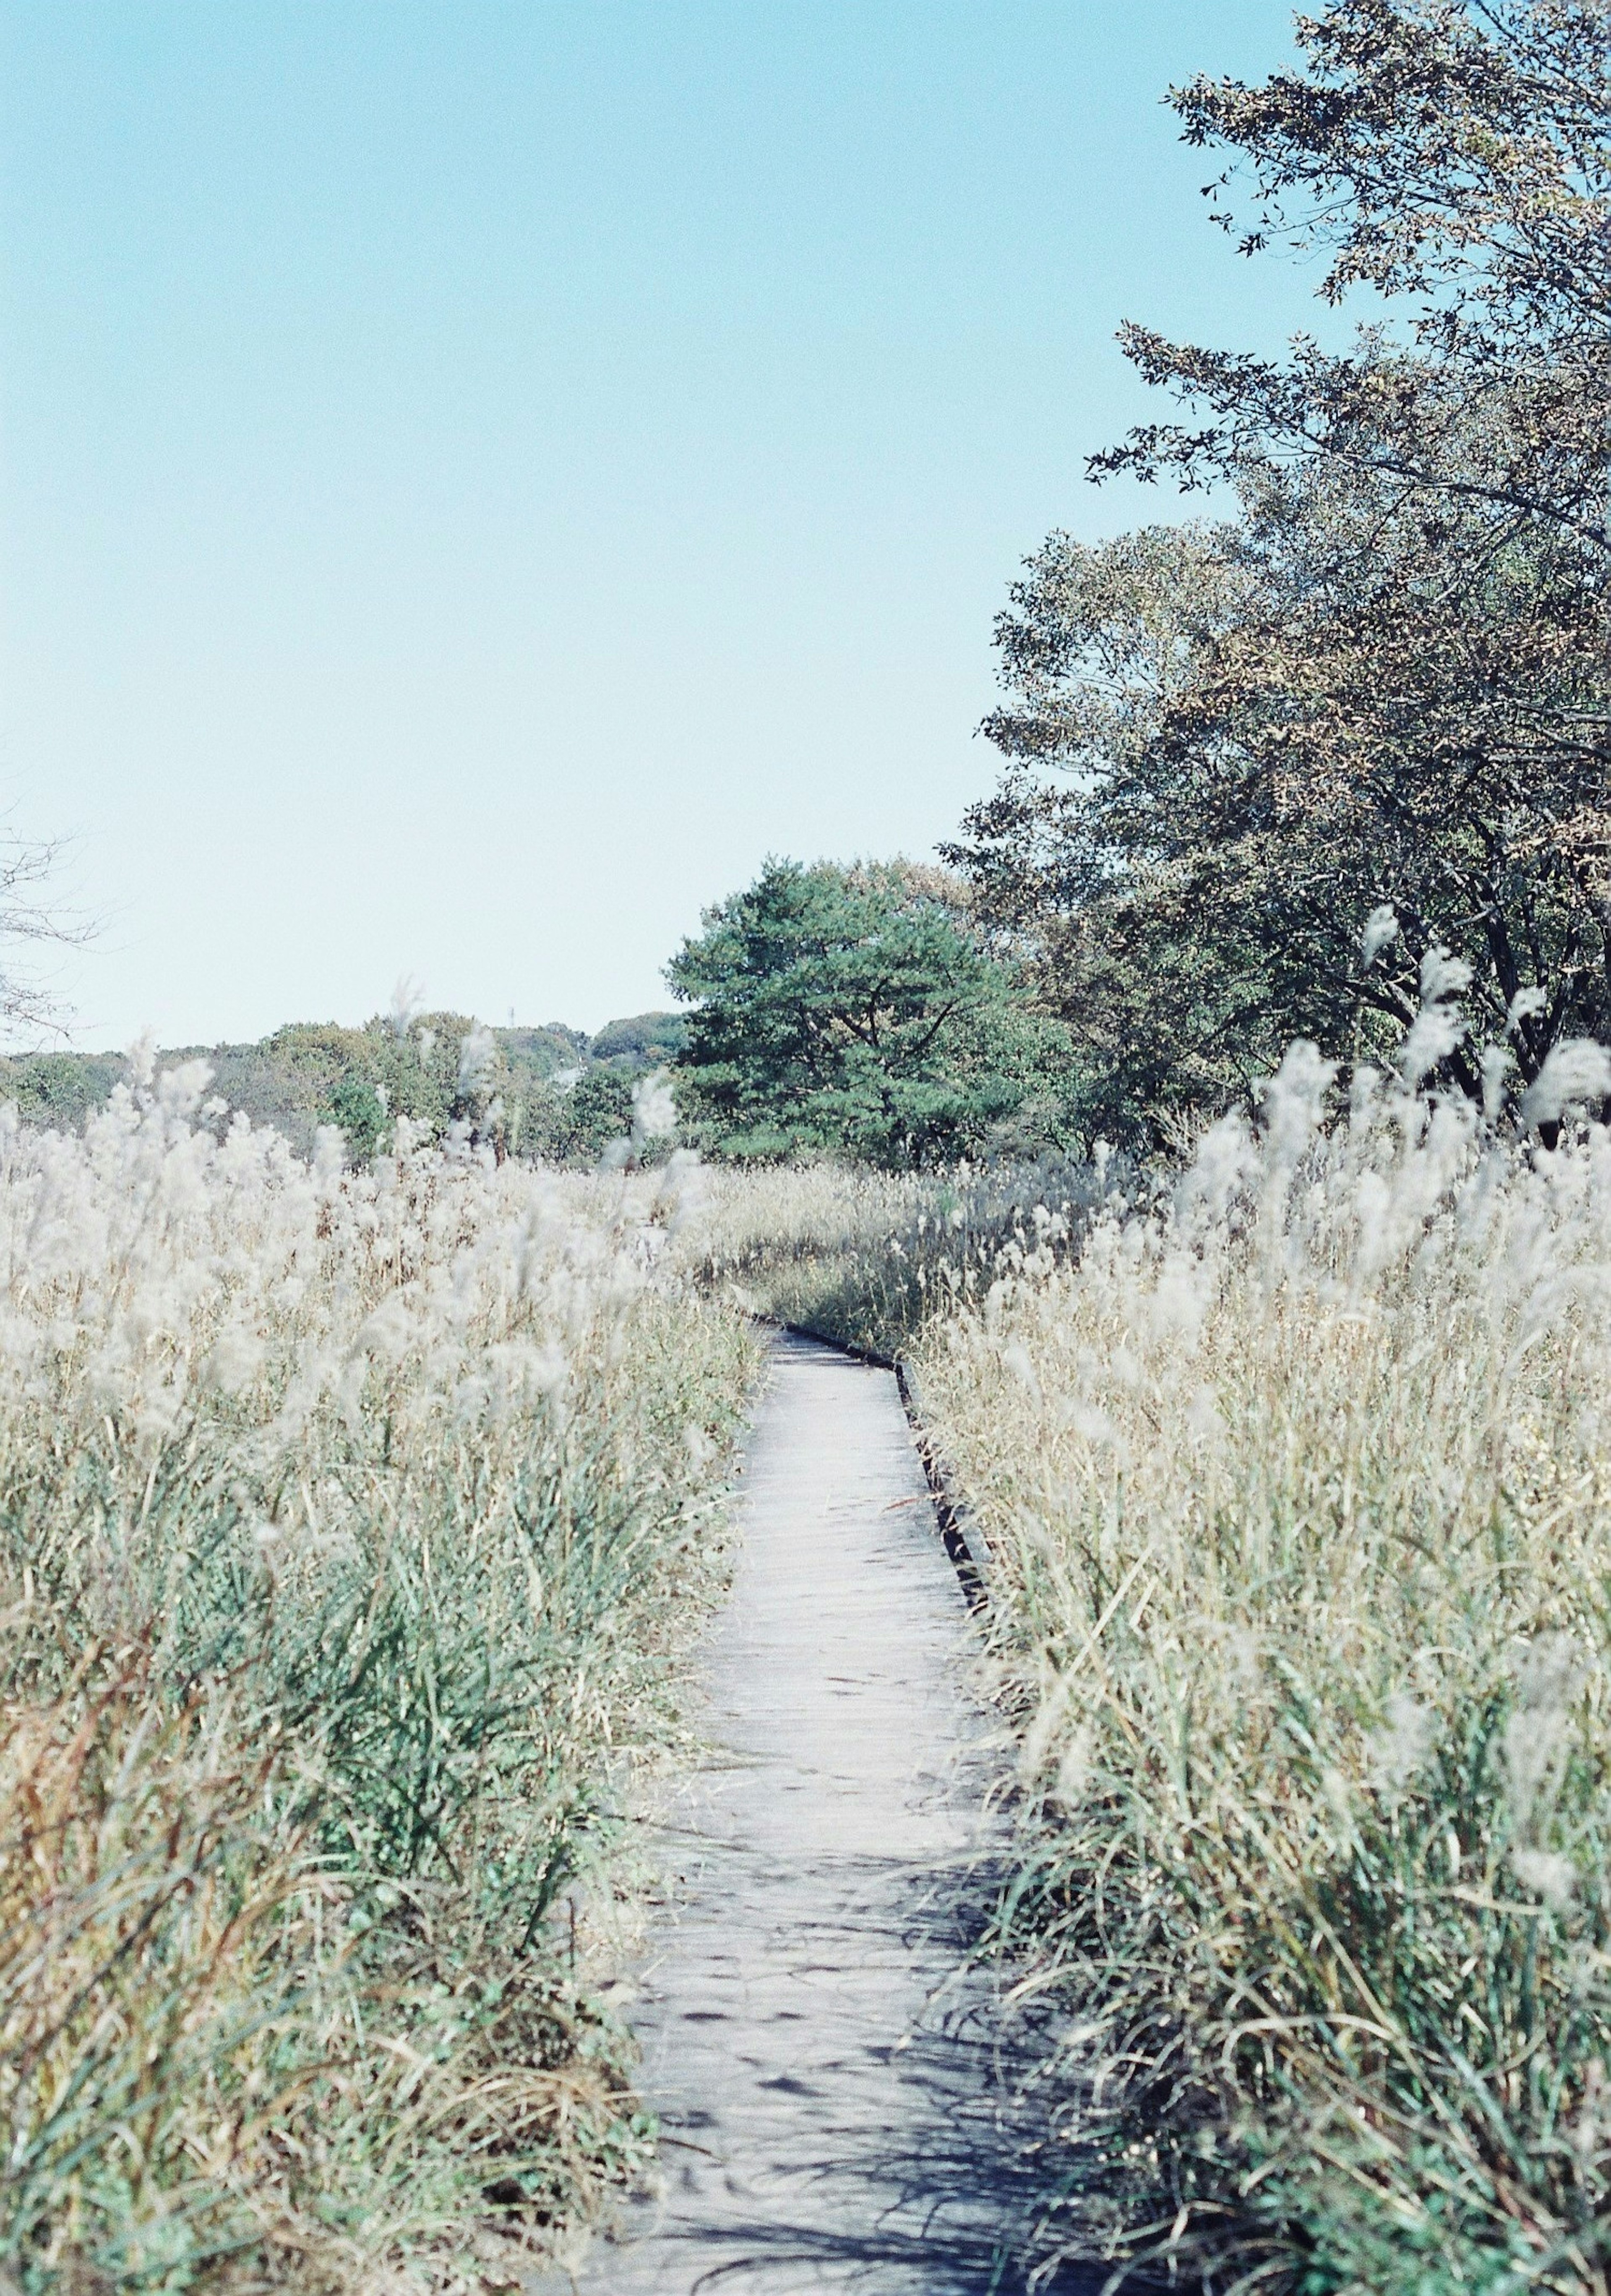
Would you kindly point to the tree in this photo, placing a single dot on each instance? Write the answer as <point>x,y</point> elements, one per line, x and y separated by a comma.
<point>354,1104</point>
<point>437,1069</point>
<point>28,1005</point>
<point>1273,736</point>
<point>59,1090</point>
<point>1451,155</point>
<point>574,1120</point>
<point>854,1009</point>
<point>1370,717</point>
<point>643,1039</point>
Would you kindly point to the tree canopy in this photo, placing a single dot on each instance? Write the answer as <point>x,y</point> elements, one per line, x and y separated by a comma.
<point>855,1009</point>
<point>1261,771</point>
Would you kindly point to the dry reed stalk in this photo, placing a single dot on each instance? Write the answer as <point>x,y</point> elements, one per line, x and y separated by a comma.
<point>352,1524</point>
<point>1299,1493</point>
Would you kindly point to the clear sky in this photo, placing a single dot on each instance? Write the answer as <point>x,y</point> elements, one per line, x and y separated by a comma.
<point>481,474</point>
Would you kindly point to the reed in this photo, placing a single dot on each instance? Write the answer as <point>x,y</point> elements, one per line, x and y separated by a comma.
<point>352,1529</point>
<point>865,1257</point>
<point>1298,1493</point>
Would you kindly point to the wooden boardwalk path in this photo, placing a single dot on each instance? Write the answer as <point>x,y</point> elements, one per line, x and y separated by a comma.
<point>834,2109</point>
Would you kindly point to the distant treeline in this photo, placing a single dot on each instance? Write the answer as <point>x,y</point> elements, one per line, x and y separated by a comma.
<point>552,1091</point>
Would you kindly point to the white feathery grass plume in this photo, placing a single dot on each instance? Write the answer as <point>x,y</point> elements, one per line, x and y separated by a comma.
<point>1073,1767</point>
<point>1577,1074</point>
<point>1443,975</point>
<point>1548,1673</point>
<point>1381,926</point>
<point>1498,1061</point>
<point>1226,1155</point>
<point>181,1090</point>
<point>1401,1746</point>
<point>1293,1101</point>
<point>1524,1005</point>
<point>1437,1030</point>
<point>1551,1875</point>
<point>654,1108</point>
<point>1433,1036</point>
<point>407,999</point>
<point>142,1057</point>
<point>683,1194</point>
<point>478,1051</point>
<point>1016,1358</point>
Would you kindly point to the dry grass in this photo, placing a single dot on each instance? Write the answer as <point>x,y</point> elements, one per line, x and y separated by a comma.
<point>351,1524</point>
<point>351,1527</point>
<point>1299,1495</point>
<point>1297,1482</point>
<point>865,1257</point>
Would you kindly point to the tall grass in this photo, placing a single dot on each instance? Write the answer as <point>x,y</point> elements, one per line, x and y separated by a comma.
<point>864,1258</point>
<point>1298,1493</point>
<point>351,1525</point>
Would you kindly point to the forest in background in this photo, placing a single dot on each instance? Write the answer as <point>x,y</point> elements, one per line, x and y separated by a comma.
<point>553,1093</point>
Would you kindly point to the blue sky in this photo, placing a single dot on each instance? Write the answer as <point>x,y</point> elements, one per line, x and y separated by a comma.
<point>478,477</point>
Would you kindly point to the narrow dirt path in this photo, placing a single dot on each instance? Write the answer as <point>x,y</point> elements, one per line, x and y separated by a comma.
<point>834,2109</point>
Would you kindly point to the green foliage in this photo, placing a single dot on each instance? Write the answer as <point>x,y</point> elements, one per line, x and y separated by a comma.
<point>304,1076</point>
<point>551,1092</point>
<point>357,1107</point>
<point>649,1040</point>
<point>59,1089</point>
<point>574,1123</point>
<point>534,1054</point>
<point>855,1009</point>
<point>1263,724</point>
<point>423,1069</point>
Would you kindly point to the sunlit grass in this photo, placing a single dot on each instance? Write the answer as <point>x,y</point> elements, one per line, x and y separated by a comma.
<point>1296,1482</point>
<point>352,1527</point>
<point>864,1256</point>
<point>1299,1500</point>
